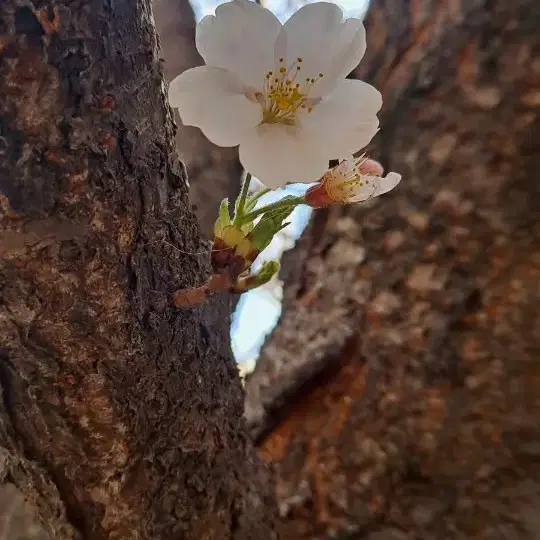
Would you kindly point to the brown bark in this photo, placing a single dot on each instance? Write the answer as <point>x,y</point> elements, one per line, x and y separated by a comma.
<point>214,172</point>
<point>400,395</point>
<point>120,415</point>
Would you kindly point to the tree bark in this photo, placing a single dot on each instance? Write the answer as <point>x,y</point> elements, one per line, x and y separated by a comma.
<point>121,417</point>
<point>399,396</point>
<point>214,172</point>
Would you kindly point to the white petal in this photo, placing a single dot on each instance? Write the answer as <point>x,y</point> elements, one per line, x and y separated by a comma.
<point>346,58</point>
<point>373,186</point>
<point>346,165</point>
<point>387,183</point>
<point>347,118</point>
<point>240,38</point>
<point>278,154</point>
<point>326,42</point>
<point>213,99</point>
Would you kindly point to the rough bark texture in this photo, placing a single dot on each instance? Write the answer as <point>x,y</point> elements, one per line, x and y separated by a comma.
<point>120,416</point>
<point>17,517</point>
<point>214,172</point>
<point>400,395</point>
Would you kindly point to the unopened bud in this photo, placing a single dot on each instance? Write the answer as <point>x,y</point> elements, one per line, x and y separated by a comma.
<point>370,167</point>
<point>267,271</point>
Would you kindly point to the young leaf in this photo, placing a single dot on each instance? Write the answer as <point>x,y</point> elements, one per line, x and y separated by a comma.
<point>224,219</point>
<point>268,226</point>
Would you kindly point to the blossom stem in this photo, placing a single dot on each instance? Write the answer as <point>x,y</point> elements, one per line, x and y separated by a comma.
<point>289,201</point>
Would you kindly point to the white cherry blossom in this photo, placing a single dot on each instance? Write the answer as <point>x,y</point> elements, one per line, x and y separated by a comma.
<point>279,91</point>
<point>353,180</point>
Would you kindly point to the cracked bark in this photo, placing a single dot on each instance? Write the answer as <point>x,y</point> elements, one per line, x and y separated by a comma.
<point>120,416</point>
<point>398,397</point>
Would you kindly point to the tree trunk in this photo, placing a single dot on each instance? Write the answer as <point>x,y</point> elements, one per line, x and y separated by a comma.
<point>399,396</point>
<point>121,416</point>
<point>214,172</point>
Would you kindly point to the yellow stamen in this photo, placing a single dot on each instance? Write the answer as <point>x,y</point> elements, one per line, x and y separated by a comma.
<point>283,95</point>
<point>342,182</point>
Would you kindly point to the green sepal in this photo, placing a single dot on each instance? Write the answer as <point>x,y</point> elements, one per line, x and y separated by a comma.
<point>234,237</point>
<point>246,228</point>
<point>224,219</point>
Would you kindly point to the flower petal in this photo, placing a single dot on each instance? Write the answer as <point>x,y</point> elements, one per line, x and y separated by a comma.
<point>278,154</point>
<point>326,42</point>
<point>348,51</point>
<point>213,99</point>
<point>240,37</point>
<point>373,186</point>
<point>346,119</point>
<point>387,183</point>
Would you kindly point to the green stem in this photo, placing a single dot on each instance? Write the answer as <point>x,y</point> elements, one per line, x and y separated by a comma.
<point>242,200</point>
<point>259,194</point>
<point>278,204</point>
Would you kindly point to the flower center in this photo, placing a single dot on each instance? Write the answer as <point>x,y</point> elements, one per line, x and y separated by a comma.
<point>343,181</point>
<point>285,92</point>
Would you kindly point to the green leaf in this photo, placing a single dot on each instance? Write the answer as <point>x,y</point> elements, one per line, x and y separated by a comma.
<point>270,224</point>
<point>224,219</point>
<point>242,195</point>
<point>250,205</point>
